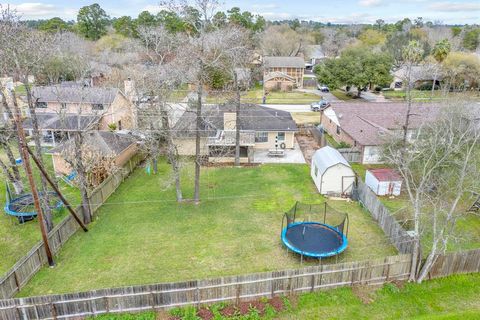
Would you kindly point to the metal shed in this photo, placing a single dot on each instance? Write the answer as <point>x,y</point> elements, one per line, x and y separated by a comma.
<point>384,182</point>
<point>331,173</point>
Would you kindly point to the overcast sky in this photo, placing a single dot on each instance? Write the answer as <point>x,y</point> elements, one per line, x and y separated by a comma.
<point>335,11</point>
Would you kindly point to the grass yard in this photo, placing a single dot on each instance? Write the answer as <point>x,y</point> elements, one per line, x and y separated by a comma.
<point>454,297</point>
<point>17,239</point>
<point>277,97</point>
<point>142,236</point>
<point>426,94</point>
<point>340,94</point>
<point>306,117</point>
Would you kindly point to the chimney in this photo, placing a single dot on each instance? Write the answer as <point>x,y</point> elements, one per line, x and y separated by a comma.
<point>229,121</point>
<point>129,89</point>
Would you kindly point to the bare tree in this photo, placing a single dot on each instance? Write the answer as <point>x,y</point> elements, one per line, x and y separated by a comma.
<point>440,170</point>
<point>282,40</point>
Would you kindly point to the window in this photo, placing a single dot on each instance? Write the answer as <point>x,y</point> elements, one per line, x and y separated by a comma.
<point>97,106</point>
<point>40,105</point>
<point>338,130</point>
<point>63,106</point>
<point>281,136</point>
<point>261,136</point>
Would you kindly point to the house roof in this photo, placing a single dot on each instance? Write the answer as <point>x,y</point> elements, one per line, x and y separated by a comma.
<point>418,73</point>
<point>75,94</point>
<point>62,122</point>
<point>327,157</point>
<point>104,142</point>
<point>368,123</point>
<point>252,117</point>
<point>288,62</point>
<point>385,174</point>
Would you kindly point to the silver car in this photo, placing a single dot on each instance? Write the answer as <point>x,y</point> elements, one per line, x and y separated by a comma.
<point>319,105</point>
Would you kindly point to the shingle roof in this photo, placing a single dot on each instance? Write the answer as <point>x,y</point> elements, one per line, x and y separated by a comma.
<point>105,142</point>
<point>287,62</point>
<point>62,122</point>
<point>75,94</point>
<point>252,117</point>
<point>367,123</point>
<point>327,157</point>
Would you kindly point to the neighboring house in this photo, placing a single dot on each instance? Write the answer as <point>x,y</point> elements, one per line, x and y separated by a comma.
<point>384,182</point>
<point>331,173</point>
<point>56,128</point>
<point>283,73</point>
<point>114,108</point>
<point>102,146</point>
<point>365,125</point>
<point>261,128</point>
<point>419,75</point>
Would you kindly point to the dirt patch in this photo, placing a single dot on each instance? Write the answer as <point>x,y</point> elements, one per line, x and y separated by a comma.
<point>277,304</point>
<point>308,145</point>
<point>364,293</point>
<point>205,314</point>
<point>400,284</point>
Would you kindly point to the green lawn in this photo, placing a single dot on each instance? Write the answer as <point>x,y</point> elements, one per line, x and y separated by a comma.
<point>426,94</point>
<point>142,236</point>
<point>17,239</point>
<point>340,94</point>
<point>277,97</point>
<point>306,117</point>
<point>454,297</point>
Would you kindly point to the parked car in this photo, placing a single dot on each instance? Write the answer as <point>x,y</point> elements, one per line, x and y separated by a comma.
<point>319,105</point>
<point>323,88</point>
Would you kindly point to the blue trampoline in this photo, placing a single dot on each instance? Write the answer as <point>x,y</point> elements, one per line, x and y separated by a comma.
<point>22,207</point>
<point>315,239</point>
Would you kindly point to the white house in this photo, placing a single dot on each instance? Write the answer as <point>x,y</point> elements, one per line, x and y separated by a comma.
<point>384,181</point>
<point>331,173</point>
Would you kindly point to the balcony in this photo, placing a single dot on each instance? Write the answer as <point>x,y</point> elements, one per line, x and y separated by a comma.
<point>227,138</point>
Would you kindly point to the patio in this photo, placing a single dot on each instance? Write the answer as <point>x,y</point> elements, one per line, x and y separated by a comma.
<point>291,156</point>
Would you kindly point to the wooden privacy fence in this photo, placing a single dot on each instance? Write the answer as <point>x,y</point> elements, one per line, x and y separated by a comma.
<point>30,264</point>
<point>231,288</point>
<point>456,262</point>
<point>394,231</point>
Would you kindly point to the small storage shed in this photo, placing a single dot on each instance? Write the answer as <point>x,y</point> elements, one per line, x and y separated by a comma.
<point>384,182</point>
<point>331,173</point>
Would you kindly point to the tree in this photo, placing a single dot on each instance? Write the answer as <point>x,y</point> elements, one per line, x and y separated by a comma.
<point>380,23</point>
<point>171,21</point>
<point>356,67</point>
<point>92,21</point>
<point>439,168</point>
<point>461,71</point>
<point>372,38</point>
<point>146,19</point>
<point>471,39</point>
<point>394,45</point>
<point>125,26</point>
<point>439,52</point>
<point>283,41</point>
<point>54,25</point>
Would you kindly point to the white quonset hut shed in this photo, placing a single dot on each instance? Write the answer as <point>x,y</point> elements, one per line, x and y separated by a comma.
<point>331,173</point>
<point>384,181</point>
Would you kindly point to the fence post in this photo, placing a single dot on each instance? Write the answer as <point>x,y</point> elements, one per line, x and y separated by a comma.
<point>237,294</point>
<point>53,310</point>
<point>313,283</point>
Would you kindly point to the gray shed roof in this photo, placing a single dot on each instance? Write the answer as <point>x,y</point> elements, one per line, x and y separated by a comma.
<point>105,142</point>
<point>63,122</point>
<point>287,62</point>
<point>327,157</point>
<point>252,117</point>
<point>75,94</point>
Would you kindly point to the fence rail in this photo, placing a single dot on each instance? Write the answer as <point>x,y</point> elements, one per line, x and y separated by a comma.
<point>394,231</point>
<point>456,262</point>
<point>231,288</point>
<point>30,264</point>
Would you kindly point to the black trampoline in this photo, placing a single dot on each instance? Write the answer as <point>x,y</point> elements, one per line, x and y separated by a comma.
<point>315,239</point>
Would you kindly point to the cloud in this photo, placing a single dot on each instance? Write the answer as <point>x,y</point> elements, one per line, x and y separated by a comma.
<point>454,7</point>
<point>265,6</point>
<point>276,15</point>
<point>370,3</point>
<point>38,10</point>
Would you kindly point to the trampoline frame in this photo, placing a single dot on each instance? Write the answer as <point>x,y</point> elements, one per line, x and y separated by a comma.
<point>291,223</point>
<point>32,214</point>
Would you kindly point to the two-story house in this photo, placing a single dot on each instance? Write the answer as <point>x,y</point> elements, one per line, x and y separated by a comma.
<point>283,73</point>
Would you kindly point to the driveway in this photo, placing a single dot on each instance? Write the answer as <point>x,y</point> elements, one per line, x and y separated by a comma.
<point>326,95</point>
<point>372,97</point>
<point>291,156</point>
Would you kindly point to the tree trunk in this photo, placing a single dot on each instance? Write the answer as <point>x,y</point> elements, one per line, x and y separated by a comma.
<point>198,156</point>
<point>172,153</point>
<point>82,178</point>
<point>155,165</point>
<point>408,95</point>
<point>237,120</point>
<point>432,257</point>
<point>47,212</point>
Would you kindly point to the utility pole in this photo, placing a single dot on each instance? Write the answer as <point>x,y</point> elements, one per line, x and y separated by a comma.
<point>31,181</point>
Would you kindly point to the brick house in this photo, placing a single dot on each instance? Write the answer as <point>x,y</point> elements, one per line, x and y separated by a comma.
<point>261,128</point>
<point>283,73</point>
<point>365,125</point>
